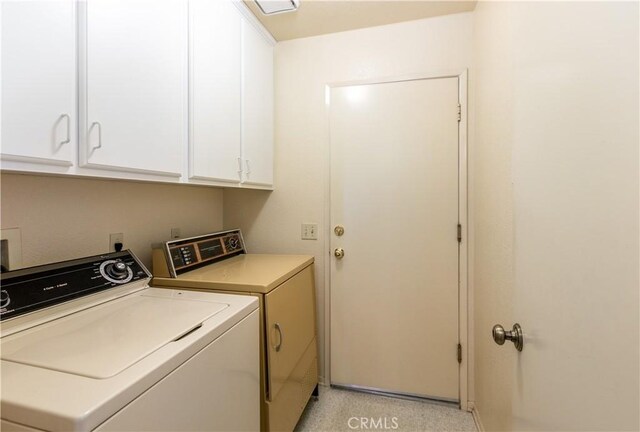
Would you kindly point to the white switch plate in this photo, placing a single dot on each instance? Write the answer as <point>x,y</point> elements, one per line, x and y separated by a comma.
<point>175,233</point>
<point>115,238</point>
<point>309,231</point>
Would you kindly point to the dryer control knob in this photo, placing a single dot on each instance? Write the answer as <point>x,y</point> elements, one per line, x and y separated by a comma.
<point>233,243</point>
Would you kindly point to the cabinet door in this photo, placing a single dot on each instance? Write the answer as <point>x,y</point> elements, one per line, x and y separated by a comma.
<point>136,85</point>
<point>215,91</point>
<point>39,82</point>
<point>257,107</point>
<point>290,318</point>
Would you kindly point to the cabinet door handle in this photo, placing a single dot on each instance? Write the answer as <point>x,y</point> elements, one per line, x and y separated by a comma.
<point>248,167</point>
<point>240,166</point>
<point>99,126</point>
<point>68,140</point>
<point>279,346</point>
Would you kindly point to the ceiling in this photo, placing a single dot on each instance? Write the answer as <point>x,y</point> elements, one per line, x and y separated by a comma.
<point>316,17</point>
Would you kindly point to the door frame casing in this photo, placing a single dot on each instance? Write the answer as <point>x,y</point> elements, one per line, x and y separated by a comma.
<point>464,309</point>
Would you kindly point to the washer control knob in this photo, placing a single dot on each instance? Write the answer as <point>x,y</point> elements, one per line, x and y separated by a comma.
<point>4,299</point>
<point>116,271</point>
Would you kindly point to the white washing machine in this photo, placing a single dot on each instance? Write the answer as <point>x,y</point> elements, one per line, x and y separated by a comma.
<point>87,345</point>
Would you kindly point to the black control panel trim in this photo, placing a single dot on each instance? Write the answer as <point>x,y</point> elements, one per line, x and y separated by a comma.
<point>183,255</point>
<point>34,288</point>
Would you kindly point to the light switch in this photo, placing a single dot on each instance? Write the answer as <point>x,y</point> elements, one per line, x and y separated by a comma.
<point>309,231</point>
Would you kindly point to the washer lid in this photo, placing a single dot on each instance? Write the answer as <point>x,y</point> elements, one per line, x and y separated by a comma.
<point>102,341</point>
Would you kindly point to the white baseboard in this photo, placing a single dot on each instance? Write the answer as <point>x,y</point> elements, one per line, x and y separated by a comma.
<point>476,418</point>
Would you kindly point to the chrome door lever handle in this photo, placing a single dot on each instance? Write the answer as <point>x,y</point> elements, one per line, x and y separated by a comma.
<point>515,335</point>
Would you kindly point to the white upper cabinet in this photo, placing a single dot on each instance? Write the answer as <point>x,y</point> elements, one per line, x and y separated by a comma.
<point>38,84</point>
<point>215,91</point>
<point>134,86</point>
<point>257,107</point>
<point>159,90</point>
<point>231,93</point>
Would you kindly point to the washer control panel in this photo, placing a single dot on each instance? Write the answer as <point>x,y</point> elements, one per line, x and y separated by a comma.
<point>34,288</point>
<point>190,253</point>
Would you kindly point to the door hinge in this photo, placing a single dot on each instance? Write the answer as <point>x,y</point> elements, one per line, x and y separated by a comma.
<point>459,353</point>
<point>459,233</point>
<point>459,112</point>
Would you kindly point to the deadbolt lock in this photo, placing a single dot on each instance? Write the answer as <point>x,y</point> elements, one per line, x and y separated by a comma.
<point>338,230</point>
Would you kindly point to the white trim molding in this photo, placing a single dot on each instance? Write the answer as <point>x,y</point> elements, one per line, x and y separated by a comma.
<point>476,419</point>
<point>250,17</point>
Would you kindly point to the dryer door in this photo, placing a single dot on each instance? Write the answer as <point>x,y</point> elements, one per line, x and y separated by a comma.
<point>290,317</point>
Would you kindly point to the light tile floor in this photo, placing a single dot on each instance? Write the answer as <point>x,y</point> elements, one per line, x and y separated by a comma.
<point>343,410</point>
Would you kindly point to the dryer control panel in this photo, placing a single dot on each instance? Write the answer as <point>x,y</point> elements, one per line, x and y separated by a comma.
<point>30,289</point>
<point>190,253</point>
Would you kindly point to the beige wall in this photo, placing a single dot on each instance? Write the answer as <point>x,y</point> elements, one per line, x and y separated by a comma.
<point>556,212</point>
<point>63,218</point>
<point>271,221</point>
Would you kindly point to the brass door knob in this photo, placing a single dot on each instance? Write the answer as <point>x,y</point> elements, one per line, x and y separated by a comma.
<point>338,253</point>
<point>515,335</point>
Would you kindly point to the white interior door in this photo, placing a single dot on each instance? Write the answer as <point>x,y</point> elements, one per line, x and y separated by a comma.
<point>394,189</point>
<point>576,223</point>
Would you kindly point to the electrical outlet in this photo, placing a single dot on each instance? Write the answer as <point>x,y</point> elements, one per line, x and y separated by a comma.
<point>175,233</point>
<point>115,238</point>
<point>309,231</point>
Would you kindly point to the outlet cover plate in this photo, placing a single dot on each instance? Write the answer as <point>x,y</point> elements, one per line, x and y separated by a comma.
<point>115,238</point>
<point>175,233</point>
